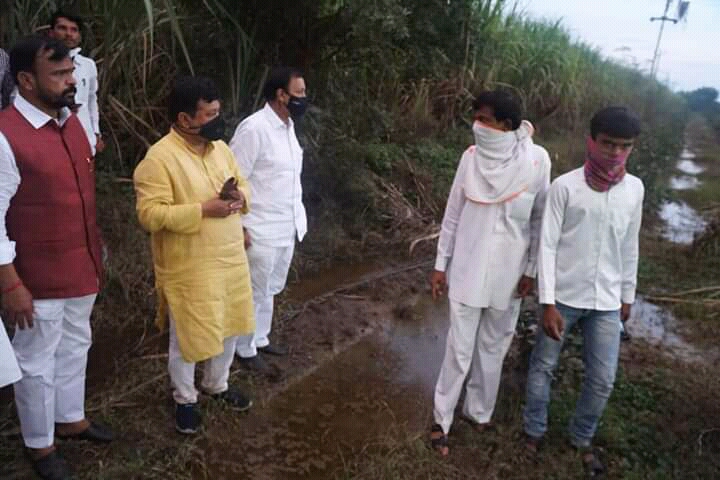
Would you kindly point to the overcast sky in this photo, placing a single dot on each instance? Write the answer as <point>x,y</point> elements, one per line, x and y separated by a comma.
<point>690,50</point>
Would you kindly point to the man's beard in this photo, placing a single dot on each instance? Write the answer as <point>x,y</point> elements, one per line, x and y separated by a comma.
<point>66,99</point>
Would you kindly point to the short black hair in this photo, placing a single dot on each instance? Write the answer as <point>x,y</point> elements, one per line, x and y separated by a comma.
<point>72,16</point>
<point>187,91</point>
<point>279,77</point>
<point>619,122</point>
<point>504,104</point>
<point>25,52</point>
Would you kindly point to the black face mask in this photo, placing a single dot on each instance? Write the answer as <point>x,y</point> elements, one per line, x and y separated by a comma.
<point>213,130</point>
<point>297,106</point>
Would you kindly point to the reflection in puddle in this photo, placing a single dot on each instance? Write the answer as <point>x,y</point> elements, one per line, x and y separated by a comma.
<point>380,388</point>
<point>687,154</point>
<point>689,167</point>
<point>682,222</point>
<point>657,325</point>
<point>684,182</point>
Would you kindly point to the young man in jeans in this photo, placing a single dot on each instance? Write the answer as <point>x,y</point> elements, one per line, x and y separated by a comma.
<point>587,268</point>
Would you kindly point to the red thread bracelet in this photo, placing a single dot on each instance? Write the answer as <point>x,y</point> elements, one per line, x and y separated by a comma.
<point>14,286</point>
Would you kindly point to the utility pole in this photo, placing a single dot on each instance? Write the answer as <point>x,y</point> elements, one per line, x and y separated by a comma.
<point>682,11</point>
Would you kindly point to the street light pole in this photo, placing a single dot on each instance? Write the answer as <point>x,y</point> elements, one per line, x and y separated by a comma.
<point>662,20</point>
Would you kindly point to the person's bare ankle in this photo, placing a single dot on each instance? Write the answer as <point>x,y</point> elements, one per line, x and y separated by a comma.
<point>72,428</point>
<point>38,453</point>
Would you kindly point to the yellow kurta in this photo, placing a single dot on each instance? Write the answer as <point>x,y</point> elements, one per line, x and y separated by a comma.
<point>201,269</point>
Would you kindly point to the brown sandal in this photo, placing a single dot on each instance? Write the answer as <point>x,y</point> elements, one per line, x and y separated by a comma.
<point>439,440</point>
<point>487,427</point>
<point>531,446</point>
<point>594,468</point>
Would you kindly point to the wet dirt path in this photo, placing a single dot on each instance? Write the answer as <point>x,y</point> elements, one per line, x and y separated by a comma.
<point>378,389</point>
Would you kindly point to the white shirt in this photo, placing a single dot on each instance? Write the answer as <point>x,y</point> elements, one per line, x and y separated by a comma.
<point>269,155</point>
<point>87,85</point>
<point>589,244</point>
<point>486,248</point>
<point>9,173</point>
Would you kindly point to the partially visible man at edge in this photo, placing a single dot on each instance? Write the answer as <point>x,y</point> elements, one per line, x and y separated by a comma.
<point>269,155</point>
<point>47,198</point>
<point>189,193</point>
<point>587,269</point>
<point>6,80</point>
<point>67,28</point>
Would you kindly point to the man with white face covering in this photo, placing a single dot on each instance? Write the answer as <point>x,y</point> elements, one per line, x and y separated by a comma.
<point>66,27</point>
<point>487,255</point>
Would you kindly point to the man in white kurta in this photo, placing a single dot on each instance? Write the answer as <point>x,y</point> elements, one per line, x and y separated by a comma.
<point>487,247</point>
<point>270,157</point>
<point>66,28</point>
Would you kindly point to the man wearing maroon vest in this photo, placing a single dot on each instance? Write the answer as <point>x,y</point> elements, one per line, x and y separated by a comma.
<point>50,251</point>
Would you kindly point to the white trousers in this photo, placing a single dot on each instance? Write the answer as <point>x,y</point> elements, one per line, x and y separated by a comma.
<point>477,337</point>
<point>269,267</point>
<point>216,370</point>
<point>53,358</point>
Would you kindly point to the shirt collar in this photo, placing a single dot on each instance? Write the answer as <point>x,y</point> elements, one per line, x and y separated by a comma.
<point>75,51</point>
<point>37,117</point>
<point>180,140</point>
<point>274,119</point>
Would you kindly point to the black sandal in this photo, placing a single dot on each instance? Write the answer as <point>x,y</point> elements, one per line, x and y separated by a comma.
<point>594,468</point>
<point>439,440</point>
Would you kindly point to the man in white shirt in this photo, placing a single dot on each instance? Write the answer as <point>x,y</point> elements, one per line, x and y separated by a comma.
<point>6,81</point>
<point>488,246</point>
<point>66,27</point>
<point>269,155</point>
<point>587,268</point>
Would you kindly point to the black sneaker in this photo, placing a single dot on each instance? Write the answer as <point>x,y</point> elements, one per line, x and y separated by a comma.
<point>187,418</point>
<point>257,366</point>
<point>51,467</point>
<point>234,398</point>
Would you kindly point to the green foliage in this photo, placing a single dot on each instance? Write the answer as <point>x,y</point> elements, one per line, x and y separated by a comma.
<point>383,75</point>
<point>705,101</point>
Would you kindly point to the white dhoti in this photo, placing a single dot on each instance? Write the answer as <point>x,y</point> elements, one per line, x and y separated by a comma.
<point>269,267</point>
<point>53,359</point>
<point>216,370</point>
<point>477,337</point>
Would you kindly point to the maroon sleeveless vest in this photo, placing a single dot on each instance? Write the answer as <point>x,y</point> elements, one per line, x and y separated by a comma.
<point>51,218</point>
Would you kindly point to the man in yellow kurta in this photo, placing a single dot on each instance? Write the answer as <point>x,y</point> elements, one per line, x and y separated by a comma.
<point>189,197</point>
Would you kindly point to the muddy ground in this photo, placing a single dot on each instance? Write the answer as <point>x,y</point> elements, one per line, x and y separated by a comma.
<point>354,401</point>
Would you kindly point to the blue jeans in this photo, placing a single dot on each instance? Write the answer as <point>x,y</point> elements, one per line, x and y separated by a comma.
<point>601,346</point>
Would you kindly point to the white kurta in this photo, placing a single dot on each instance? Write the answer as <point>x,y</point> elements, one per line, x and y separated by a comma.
<point>270,157</point>
<point>87,86</point>
<point>486,248</point>
<point>589,246</point>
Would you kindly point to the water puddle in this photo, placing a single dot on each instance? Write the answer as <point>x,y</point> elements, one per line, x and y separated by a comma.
<point>682,222</point>
<point>684,182</point>
<point>658,326</point>
<point>690,167</point>
<point>379,389</point>
<point>311,286</point>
